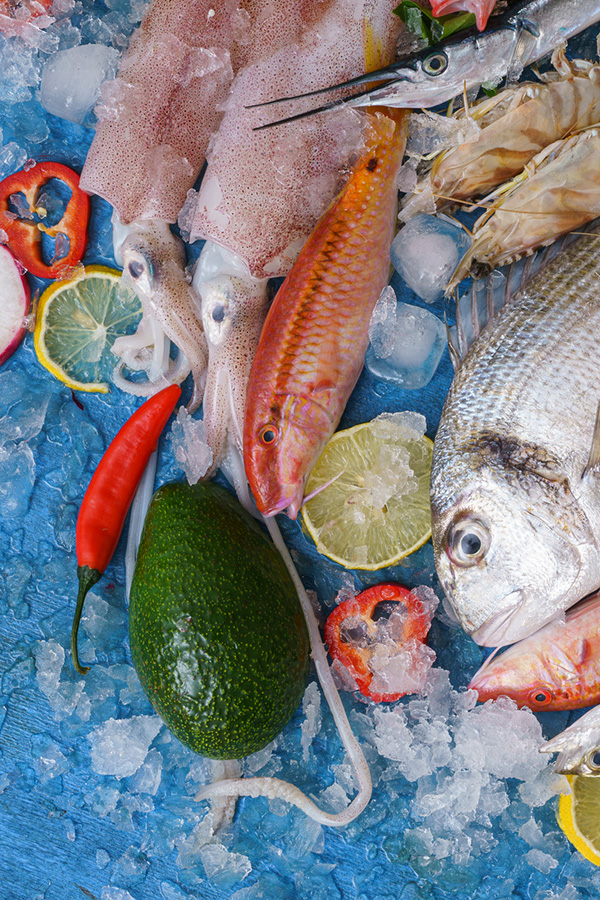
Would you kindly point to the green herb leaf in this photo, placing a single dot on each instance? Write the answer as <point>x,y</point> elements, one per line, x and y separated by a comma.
<point>489,88</point>
<point>421,21</point>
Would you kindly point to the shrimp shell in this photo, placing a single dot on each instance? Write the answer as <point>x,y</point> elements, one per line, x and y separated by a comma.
<point>516,124</point>
<point>558,192</point>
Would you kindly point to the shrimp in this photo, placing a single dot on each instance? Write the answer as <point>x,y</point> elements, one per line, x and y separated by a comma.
<point>558,191</point>
<point>516,124</point>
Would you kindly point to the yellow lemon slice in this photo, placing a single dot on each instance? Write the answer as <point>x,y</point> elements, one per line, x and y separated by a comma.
<point>579,815</point>
<point>77,322</point>
<point>369,493</point>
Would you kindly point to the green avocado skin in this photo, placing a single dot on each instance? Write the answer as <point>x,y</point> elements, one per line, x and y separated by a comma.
<point>217,634</point>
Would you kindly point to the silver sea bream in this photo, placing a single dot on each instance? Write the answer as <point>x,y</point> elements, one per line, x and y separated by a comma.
<point>515,491</point>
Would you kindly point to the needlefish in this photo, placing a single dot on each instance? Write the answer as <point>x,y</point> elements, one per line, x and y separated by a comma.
<point>520,36</point>
<point>515,490</point>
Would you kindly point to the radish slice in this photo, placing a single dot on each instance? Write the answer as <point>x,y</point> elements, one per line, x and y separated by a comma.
<point>14,304</point>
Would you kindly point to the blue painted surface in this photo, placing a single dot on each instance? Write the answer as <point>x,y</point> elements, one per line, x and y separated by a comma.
<point>67,832</point>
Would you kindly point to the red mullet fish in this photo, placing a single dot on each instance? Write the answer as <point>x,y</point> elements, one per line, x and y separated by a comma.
<point>313,343</point>
<point>556,668</point>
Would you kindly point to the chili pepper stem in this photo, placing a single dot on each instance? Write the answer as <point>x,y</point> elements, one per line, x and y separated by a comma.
<point>87,579</point>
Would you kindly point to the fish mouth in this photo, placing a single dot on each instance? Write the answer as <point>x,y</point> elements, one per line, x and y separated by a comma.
<point>291,504</point>
<point>500,628</point>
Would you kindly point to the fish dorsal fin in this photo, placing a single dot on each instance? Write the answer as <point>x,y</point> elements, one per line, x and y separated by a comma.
<point>593,463</point>
<point>487,296</point>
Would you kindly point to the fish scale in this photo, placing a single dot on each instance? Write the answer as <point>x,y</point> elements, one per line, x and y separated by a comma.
<point>315,336</point>
<point>508,465</point>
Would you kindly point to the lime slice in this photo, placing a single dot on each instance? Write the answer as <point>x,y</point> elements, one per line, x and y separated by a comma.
<point>371,493</point>
<point>579,815</point>
<point>78,320</point>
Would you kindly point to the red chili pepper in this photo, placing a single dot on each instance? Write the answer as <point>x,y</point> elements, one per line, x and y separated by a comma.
<point>24,234</point>
<point>110,493</point>
<point>355,658</point>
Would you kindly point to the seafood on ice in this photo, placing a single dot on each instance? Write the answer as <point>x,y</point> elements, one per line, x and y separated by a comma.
<point>558,192</point>
<point>523,34</point>
<point>313,344</point>
<point>515,125</point>
<point>514,494</point>
<point>556,668</point>
<point>578,746</point>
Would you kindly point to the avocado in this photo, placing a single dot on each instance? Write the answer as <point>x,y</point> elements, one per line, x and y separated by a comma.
<point>217,634</point>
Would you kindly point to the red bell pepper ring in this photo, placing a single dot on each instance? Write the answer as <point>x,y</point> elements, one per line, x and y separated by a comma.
<point>356,659</point>
<point>24,235</point>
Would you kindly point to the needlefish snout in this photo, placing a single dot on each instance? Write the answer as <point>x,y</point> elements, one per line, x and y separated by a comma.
<point>520,36</point>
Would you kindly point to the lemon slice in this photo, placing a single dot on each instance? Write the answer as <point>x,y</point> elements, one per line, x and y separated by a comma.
<point>78,320</point>
<point>371,493</point>
<point>579,815</point>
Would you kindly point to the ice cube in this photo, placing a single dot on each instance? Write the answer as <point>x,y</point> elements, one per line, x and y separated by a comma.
<point>130,869</point>
<point>311,707</point>
<point>189,447</point>
<point>382,324</point>
<point>224,866</point>
<point>431,133</point>
<point>542,861</point>
<point>17,477</point>
<point>426,252</point>
<point>119,746</point>
<point>102,858</point>
<point>412,347</point>
<point>49,761</point>
<point>114,893</point>
<point>147,778</point>
<point>71,79</point>
<point>12,158</point>
<point>400,668</point>
<point>23,404</point>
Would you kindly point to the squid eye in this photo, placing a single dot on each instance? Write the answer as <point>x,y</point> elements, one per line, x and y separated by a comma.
<point>135,269</point>
<point>269,435</point>
<point>540,697</point>
<point>435,63</point>
<point>218,313</point>
<point>593,760</point>
<point>468,542</point>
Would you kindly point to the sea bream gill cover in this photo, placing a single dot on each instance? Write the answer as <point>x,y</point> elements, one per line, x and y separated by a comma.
<point>299,449</point>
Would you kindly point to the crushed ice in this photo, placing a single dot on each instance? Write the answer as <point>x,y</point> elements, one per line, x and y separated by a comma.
<point>189,446</point>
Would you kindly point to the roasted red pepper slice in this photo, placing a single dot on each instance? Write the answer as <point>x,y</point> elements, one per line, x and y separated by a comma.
<point>24,235</point>
<point>356,659</point>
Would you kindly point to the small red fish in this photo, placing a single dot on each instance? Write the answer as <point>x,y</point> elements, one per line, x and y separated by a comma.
<point>313,342</point>
<point>556,668</point>
<point>481,8</point>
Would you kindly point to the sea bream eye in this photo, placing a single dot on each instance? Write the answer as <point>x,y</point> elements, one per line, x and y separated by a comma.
<point>468,542</point>
<point>593,759</point>
<point>435,63</point>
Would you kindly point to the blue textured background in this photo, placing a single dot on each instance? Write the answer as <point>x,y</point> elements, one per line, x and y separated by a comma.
<point>50,831</point>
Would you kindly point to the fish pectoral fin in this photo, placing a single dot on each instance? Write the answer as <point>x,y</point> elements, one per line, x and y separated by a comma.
<point>558,659</point>
<point>593,463</point>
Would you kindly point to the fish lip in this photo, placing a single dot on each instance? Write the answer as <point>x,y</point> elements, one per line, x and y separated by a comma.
<point>495,630</point>
<point>291,503</point>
